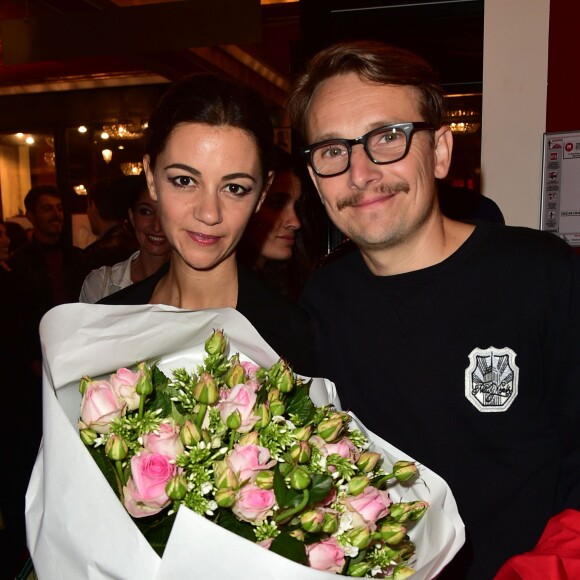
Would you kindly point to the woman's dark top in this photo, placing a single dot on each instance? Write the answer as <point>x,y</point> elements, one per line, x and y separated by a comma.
<point>283,325</point>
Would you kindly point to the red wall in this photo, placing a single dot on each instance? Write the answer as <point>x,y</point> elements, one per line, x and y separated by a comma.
<point>563,98</point>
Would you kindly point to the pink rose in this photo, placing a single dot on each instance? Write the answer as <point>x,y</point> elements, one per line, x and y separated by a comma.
<point>164,440</point>
<point>372,505</point>
<point>327,556</point>
<point>253,504</point>
<point>344,447</point>
<point>100,406</point>
<point>247,460</point>
<point>124,383</point>
<point>250,368</point>
<point>144,494</point>
<point>241,398</point>
<point>266,543</point>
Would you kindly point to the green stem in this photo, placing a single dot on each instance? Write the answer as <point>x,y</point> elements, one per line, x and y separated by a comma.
<point>379,482</point>
<point>232,440</point>
<point>200,415</point>
<point>120,473</point>
<point>141,405</point>
<point>287,514</point>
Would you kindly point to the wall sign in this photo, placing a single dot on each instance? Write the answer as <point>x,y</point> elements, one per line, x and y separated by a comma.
<point>560,213</point>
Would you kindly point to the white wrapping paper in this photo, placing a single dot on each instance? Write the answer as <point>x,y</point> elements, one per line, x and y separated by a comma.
<point>76,526</point>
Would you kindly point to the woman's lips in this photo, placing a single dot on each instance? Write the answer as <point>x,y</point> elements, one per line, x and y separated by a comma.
<point>290,240</point>
<point>203,239</point>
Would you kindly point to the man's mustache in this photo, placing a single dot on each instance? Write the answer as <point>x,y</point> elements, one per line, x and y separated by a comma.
<point>388,189</point>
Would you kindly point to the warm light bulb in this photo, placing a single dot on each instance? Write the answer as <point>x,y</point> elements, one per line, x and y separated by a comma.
<point>20,135</point>
<point>82,129</point>
<point>107,155</point>
<point>30,140</point>
<point>104,135</point>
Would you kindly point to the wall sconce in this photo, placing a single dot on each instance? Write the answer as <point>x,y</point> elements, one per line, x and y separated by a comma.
<point>107,155</point>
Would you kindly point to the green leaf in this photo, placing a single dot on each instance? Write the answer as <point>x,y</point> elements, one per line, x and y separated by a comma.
<point>300,405</point>
<point>320,487</point>
<point>285,497</point>
<point>106,467</point>
<point>290,548</point>
<point>227,520</point>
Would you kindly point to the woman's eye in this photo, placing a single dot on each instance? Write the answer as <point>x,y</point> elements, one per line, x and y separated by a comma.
<point>237,190</point>
<point>182,181</point>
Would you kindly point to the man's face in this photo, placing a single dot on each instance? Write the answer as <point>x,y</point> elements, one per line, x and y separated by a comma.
<point>47,218</point>
<point>377,206</point>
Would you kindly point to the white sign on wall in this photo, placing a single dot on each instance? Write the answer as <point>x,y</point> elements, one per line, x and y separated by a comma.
<point>560,213</point>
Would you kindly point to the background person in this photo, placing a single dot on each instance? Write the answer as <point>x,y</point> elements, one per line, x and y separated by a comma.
<point>456,342</point>
<point>107,211</point>
<point>275,245</point>
<point>154,249</point>
<point>208,165</point>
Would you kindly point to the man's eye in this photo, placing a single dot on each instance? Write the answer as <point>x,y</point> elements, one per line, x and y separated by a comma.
<point>331,151</point>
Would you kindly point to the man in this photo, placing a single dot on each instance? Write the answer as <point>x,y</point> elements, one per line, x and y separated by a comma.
<point>455,342</point>
<point>50,271</point>
<point>107,210</point>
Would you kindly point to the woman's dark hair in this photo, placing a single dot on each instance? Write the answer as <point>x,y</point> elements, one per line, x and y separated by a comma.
<point>215,101</point>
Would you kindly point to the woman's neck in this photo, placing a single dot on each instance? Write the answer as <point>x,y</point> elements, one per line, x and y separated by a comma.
<point>185,287</point>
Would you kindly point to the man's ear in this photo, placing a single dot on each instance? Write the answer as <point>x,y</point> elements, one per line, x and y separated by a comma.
<point>443,150</point>
<point>265,189</point>
<point>149,177</point>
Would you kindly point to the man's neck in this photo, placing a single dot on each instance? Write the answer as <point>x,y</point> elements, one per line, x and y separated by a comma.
<point>45,239</point>
<point>430,246</point>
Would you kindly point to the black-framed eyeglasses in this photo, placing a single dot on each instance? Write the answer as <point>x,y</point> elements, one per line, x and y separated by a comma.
<point>383,145</point>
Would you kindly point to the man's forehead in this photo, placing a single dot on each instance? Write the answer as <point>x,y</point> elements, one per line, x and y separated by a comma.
<point>48,200</point>
<point>353,96</point>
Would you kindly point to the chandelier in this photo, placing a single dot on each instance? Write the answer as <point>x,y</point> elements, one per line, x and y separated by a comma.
<point>462,121</point>
<point>122,131</point>
<point>132,167</point>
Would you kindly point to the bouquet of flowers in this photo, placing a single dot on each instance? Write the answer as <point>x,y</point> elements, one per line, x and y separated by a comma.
<point>77,527</point>
<point>246,447</point>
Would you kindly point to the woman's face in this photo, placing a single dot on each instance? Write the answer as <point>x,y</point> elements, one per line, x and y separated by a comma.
<point>148,231</point>
<point>4,243</point>
<point>207,182</point>
<point>272,231</point>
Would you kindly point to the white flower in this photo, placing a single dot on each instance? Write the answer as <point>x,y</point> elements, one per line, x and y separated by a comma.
<point>206,487</point>
<point>344,523</point>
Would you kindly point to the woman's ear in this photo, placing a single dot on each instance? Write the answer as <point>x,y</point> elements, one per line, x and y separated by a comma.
<point>149,177</point>
<point>130,212</point>
<point>265,191</point>
<point>443,149</point>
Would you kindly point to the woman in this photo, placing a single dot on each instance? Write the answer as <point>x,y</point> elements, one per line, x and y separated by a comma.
<point>274,244</point>
<point>208,165</point>
<point>153,253</point>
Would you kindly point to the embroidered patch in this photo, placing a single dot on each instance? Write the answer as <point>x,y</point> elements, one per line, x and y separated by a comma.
<point>491,379</point>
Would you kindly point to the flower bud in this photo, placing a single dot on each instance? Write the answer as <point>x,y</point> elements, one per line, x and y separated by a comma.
<point>234,420</point>
<point>358,569</point>
<point>298,534</point>
<point>400,512</point>
<point>357,484</point>
<point>285,468</point>
<point>277,408</point>
<point>116,448</point>
<point>330,429</point>
<point>265,479</point>
<point>402,552</point>
<point>225,498</point>
<point>312,521</point>
<point>405,470</point>
<point>190,434</point>
<point>144,385</point>
<point>236,373</point>
<point>418,511</point>
<point>368,461</point>
<point>273,395</point>
<point>360,538</point>
<point>224,477</point>
<point>300,478</point>
<point>216,343</point>
<point>402,573</point>
<point>283,377</point>
<point>251,438</point>
<point>85,382</point>
<point>88,436</point>
<point>392,533</point>
<point>176,487</point>
<point>301,452</point>
<point>331,523</point>
<point>206,390</point>
<point>264,413</point>
<point>303,433</point>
